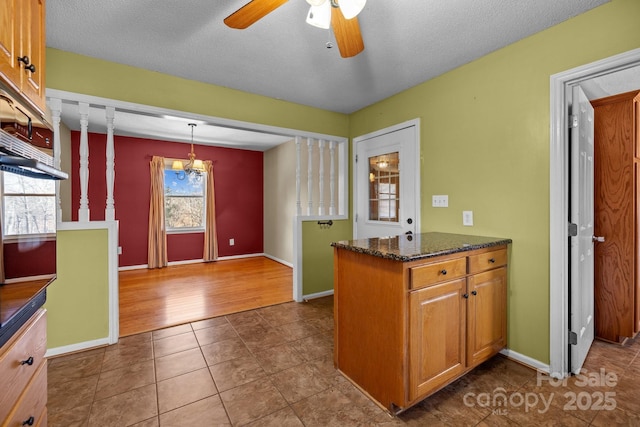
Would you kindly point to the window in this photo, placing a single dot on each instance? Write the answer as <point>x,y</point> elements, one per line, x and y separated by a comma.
<point>28,205</point>
<point>184,205</point>
<point>384,183</point>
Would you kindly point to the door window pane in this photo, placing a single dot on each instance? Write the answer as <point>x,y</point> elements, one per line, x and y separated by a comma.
<point>384,187</point>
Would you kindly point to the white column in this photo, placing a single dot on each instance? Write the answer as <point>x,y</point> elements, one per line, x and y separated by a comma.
<point>55,105</point>
<point>310,176</point>
<point>83,212</point>
<point>321,177</point>
<point>332,178</point>
<point>298,185</point>
<point>110,210</point>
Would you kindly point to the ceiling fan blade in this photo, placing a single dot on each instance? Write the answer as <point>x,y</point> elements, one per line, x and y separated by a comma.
<point>252,12</point>
<point>347,32</point>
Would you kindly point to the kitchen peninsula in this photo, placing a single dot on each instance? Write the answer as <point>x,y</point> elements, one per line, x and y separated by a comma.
<point>415,312</point>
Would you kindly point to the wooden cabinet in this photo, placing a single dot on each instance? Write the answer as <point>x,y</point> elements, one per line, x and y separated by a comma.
<point>23,369</point>
<point>22,49</point>
<point>404,330</point>
<point>616,213</point>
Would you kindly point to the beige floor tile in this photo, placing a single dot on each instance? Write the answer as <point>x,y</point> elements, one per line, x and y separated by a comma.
<point>313,347</point>
<point>299,382</point>
<point>179,363</point>
<point>208,411</point>
<point>174,344</point>
<point>184,389</point>
<point>126,353</point>
<point>224,350</point>
<point>125,409</point>
<point>278,358</point>
<point>71,394</point>
<point>312,411</point>
<point>120,380</point>
<point>216,333</point>
<point>73,417</point>
<point>252,401</point>
<point>65,369</point>
<point>282,418</point>
<point>174,330</point>
<point>233,373</point>
<point>209,323</point>
<point>151,422</point>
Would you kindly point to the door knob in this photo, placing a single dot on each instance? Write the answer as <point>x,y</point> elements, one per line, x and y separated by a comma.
<point>409,221</point>
<point>597,238</point>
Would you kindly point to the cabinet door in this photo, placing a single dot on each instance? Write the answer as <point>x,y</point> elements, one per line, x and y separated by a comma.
<point>10,42</point>
<point>486,315</point>
<point>33,45</point>
<point>436,336</point>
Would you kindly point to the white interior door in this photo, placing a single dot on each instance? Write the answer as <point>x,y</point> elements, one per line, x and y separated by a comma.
<point>581,214</point>
<point>387,200</point>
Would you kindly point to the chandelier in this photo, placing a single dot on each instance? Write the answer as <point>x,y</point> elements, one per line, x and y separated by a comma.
<point>193,167</point>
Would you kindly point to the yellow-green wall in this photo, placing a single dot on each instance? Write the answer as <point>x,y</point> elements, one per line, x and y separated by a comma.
<point>78,300</point>
<point>485,143</point>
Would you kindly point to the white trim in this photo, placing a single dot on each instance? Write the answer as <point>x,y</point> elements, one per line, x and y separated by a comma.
<point>217,121</point>
<point>29,278</point>
<point>112,262</point>
<point>297,255</point>
<point>558,201</point>
<point>416,196</point>
<point>74,348</point>
<point>317,295</point>
<point>525,360</point>
<point>281,261</point>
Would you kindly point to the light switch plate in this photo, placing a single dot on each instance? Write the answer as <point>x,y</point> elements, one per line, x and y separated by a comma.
<point>440,201</point>
<point>467,218</point>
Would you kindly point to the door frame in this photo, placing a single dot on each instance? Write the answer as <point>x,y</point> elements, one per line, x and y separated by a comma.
<point>559,261</point>
<point>415,123</point>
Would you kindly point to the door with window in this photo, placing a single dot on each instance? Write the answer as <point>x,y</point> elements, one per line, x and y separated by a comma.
<point>387,198</point>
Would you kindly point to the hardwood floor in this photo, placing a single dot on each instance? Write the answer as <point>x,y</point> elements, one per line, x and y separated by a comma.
<point>158,298</point>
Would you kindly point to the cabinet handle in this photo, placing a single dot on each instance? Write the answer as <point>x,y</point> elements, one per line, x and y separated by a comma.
<point>443,272</point>
<point>492,260</point>
<point>474,293</point>
<point>29,361</point>
<point>465,295</point>
<point>29,421</point>
<point>24,59</point>
<point>31,68</point>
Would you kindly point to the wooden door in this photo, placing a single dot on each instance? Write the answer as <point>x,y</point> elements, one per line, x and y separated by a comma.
<point>614,191</point>
<point>436,336</point>
<point>486,315</point>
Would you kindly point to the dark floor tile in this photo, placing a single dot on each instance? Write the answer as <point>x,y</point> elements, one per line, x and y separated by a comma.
<point>252,401</point>
<point>206,412</point>
<point>125,409</point>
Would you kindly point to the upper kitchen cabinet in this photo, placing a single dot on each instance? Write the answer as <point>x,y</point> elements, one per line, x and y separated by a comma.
<point>22,49</point>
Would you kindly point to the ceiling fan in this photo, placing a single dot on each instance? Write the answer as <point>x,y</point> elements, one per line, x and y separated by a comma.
<point>341,15</point>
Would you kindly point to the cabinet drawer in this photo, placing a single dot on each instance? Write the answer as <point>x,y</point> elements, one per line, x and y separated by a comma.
<point>31,343</point>
<point>487,261</point>
<point>32,402</point>
<point>437,272</point>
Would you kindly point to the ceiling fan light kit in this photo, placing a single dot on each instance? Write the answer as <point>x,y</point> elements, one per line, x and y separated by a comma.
<point>340,15</point>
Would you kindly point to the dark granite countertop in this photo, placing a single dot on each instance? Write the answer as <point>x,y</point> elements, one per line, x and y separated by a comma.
<point>413,247</point>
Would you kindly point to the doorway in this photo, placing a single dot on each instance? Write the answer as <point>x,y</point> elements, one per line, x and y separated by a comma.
<point>559,265</point>
<point>387,181</point>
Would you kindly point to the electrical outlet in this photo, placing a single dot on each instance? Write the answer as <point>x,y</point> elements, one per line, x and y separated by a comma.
<point>440,201</point>
<point>119,250</point>
<point>467,218</point>
<point>232,242</point>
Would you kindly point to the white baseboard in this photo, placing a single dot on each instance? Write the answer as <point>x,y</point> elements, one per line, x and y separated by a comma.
<point>281,261</point>
<point>525,360</point>
<point>73,348</point>
<point>317,295</point>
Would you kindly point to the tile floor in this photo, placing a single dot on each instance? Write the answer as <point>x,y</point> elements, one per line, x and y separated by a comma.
<point>273,367</point>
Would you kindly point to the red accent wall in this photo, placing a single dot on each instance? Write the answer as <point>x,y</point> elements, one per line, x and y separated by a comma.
<point>30,258</point>
<point>238,178</point>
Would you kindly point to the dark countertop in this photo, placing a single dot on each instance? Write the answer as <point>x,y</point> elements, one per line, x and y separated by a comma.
<point>413,247</point>
<point>18,302</point>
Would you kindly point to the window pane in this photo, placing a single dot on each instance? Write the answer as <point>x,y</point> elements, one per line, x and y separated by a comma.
<point>29,214</point>
<point>18,184</point>
<point>384,185</point>
<point>184,200</point>
<point>184,212</point>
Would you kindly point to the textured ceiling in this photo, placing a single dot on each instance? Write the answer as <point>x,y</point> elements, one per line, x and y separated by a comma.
<point>406,42</point>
